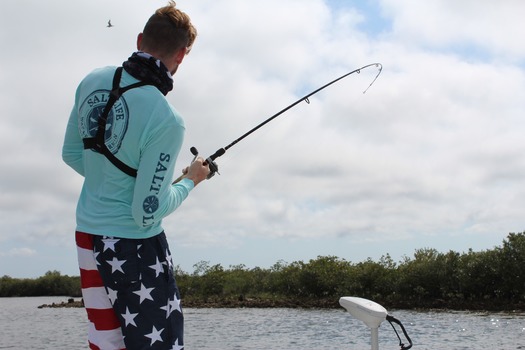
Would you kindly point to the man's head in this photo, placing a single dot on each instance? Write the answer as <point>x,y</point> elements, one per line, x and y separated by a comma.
<point>168,35</point>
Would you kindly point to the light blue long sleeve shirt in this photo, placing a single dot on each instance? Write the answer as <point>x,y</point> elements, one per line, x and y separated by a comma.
<point>145,132</point>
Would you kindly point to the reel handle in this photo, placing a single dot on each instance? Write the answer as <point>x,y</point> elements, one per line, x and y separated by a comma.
<point>210,161</point>
<point>214,168</point>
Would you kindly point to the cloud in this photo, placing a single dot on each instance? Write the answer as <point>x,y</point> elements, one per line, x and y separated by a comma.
<point>433,149</point>
<point>18,252</point>
<point>488,27</point>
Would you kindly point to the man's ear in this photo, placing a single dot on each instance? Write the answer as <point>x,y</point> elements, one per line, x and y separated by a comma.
<point>179,55</point>
<point>139,41</point>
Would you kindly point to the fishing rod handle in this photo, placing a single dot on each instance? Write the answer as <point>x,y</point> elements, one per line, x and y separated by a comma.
<point>210,161</point>
<point>214,168</point>
<point>217,154</point>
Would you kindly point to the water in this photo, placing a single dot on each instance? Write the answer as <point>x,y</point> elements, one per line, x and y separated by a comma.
<point>24,326</point>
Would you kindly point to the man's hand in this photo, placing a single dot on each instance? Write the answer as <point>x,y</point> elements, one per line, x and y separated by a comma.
<point>197,171</point>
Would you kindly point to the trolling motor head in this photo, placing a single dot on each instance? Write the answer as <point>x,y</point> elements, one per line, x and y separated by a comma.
<point>373,314</point>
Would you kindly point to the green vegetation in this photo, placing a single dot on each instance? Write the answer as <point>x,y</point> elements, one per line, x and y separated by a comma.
<point>51,284</point>
<point>491,280</point>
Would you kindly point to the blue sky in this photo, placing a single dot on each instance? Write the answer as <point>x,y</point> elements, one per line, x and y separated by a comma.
<point>431,156</point>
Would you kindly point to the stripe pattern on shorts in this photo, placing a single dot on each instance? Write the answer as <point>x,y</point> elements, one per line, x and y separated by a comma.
<point>104,327</point>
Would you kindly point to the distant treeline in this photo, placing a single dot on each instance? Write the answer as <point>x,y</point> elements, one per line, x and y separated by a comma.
<point>491,280</point>
<point>51,284</point>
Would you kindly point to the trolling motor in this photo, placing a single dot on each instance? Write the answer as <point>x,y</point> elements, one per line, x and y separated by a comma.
<point>211,159</point>
<point>373,314</point>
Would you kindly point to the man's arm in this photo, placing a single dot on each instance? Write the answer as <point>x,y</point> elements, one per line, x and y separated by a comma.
<point>154,197</point>
<point>73,147</point>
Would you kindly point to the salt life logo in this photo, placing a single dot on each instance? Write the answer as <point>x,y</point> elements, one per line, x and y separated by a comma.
<point>117,121</point>
<point>151,202</point>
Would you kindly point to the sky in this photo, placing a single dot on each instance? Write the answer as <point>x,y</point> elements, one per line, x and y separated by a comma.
<point>431,156</point>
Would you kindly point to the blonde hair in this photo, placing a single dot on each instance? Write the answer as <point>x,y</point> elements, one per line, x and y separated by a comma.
<point>169,30</point>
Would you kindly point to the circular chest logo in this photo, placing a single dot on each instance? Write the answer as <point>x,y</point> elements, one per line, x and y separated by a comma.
<point>117,120</point>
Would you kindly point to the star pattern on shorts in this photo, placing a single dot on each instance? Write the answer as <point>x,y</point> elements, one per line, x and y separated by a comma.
<point>158,267</point>
<point>142,282</point>
<point>144,293</point>
<point>116,265</point>
<point>169,260</point>
<point>155,335</point>
<point>171,306</point>
<point>175,305</point>
<point>176,346</point>
<point>129,318</point>
<point>109,243</point>
<point>95,254</point>
<point>112,294</point>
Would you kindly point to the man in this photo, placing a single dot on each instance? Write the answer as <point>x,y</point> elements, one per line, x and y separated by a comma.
<point>123,137</point>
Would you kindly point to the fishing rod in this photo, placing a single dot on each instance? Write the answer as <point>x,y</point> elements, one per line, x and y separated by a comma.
<point>214,168</point>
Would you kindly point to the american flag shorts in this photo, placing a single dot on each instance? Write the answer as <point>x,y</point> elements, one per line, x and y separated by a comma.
<point>129,293</point>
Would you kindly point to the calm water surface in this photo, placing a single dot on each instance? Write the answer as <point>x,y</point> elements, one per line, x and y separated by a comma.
<point>24,326</point>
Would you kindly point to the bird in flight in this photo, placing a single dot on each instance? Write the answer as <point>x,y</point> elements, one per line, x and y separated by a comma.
<point>109,24</point>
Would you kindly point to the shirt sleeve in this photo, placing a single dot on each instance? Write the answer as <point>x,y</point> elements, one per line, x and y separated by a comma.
<point>154,195</point>
<point>73,147</point>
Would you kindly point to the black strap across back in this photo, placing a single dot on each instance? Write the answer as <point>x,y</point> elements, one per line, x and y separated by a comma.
<point>98,143</point>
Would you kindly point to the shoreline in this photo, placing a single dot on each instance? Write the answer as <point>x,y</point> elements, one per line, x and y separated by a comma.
<point>438,305</point>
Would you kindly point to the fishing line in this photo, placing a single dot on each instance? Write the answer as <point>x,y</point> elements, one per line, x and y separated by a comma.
<point>211,159</point>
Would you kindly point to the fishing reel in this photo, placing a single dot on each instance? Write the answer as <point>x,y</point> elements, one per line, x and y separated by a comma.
<point>214,168</point>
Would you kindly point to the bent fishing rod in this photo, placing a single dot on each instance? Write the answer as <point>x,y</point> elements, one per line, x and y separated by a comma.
<point>214,168</point>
